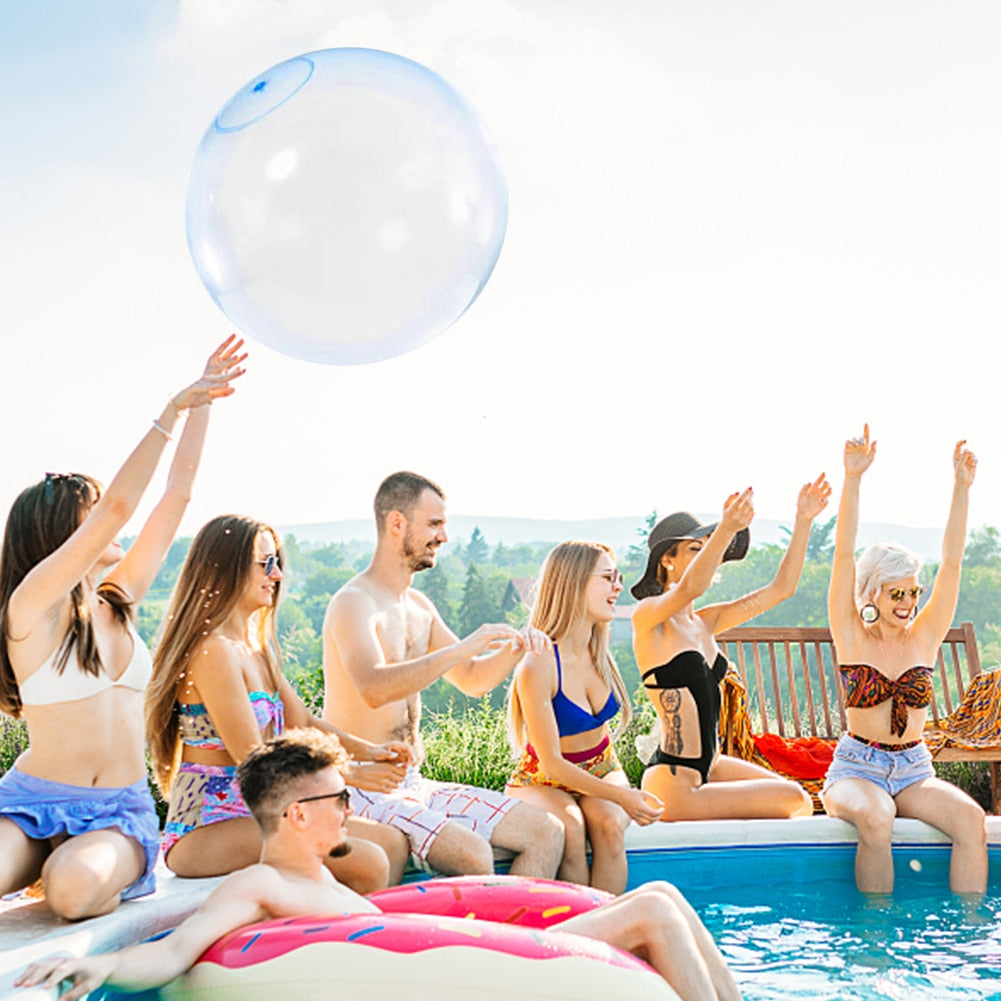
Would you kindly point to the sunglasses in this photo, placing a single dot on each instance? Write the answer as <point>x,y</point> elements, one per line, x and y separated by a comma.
<point>897,593</point>
<point>269,564</point>
<point>344,796</point>
<point>76,480</point>
<point>613,577</point>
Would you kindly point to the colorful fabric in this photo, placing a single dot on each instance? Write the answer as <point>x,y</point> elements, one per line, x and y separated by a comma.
<point>197,729</point>
<point>421,807</point>
<point>599,762</point>
<point>45,809</point>
<point>798,758</point>
<point>976,722</point>
<point>201,795</point>
<point>866,687</point>
<point>801,755</point>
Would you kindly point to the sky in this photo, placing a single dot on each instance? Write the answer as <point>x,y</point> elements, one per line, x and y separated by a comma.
<point>737,231</point>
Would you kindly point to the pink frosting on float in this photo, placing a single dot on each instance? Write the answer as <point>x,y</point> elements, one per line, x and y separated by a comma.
<point>531,903</point>
<point>405,933</point>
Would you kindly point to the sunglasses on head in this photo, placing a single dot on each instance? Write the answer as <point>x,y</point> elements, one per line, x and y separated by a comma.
<point>269,564</point>
<point>344,796</point>
<point>898,593</point>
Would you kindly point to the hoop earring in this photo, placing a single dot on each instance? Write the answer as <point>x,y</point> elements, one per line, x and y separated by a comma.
<point>869,613</point>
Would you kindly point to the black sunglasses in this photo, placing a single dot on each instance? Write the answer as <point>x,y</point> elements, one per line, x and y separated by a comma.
<point>344,796</point>
<point>269,564</point>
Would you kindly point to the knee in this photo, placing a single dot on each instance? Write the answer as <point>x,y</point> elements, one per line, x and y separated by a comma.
<point>969,823</point>
<point>608,829</point>
<point>371,871</point>
<point>70,891</point>
<point>875,824</point>
<point>657,905</point>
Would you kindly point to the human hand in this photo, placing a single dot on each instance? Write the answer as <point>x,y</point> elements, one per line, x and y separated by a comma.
<point>395,751</point>
<point>965,463</point>
<point>738,512</point>
<point>489,636</point>
<point>813,497</point>
<point>223,366</point>
<point>859,453</point>
<point>375,776</point>
<point>86,972</point>
<point>641,806</point>
<point>532,640</point>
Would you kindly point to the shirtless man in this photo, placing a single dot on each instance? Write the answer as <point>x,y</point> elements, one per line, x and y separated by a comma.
<point>293,787</point>
<point>383,643</point>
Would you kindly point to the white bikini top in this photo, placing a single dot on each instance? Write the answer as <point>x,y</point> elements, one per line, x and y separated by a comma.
<point>46,686</point>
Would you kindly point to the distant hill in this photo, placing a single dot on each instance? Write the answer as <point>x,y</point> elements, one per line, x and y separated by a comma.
<point>620,533</point>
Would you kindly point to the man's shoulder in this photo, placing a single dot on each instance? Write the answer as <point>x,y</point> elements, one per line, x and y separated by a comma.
<point>357,594</point>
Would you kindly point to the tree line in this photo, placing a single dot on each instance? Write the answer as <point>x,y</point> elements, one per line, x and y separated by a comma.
<point>477,582</point>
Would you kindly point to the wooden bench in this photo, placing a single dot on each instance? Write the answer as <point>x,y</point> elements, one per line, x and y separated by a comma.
<point>794,688</point>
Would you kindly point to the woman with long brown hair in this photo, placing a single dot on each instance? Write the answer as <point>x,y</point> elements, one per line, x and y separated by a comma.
<point>75,808</point>
<point>218,691</point>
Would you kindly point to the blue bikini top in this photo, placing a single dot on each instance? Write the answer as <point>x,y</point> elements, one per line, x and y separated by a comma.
<point>571,719</point>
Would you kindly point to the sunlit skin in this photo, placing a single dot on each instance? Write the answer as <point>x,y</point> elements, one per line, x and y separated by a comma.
<point>223,671</point>
<point>903,635</point>
<point>291,879</point>
<point>668,624</point>
<point>605,806</point>
<point>99,741</point>
<point>384,642</point>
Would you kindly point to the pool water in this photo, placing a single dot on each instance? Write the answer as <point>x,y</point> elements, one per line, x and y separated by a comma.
<point>792,925</point>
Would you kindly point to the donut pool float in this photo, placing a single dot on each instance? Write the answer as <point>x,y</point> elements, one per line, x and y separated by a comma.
<point>462,939</point>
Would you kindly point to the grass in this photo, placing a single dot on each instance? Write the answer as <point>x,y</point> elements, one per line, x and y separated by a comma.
<point>470,746</point>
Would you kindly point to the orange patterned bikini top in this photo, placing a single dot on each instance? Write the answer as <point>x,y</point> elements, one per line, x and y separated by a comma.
<point>866,687</point>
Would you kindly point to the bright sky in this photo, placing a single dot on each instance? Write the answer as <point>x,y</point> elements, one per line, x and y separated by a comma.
<point>737,231</point>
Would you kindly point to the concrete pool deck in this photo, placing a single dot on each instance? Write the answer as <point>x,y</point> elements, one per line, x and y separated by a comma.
<point>28,930</point>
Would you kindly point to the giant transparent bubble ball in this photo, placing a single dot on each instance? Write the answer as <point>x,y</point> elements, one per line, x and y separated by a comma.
<point>345,206</point>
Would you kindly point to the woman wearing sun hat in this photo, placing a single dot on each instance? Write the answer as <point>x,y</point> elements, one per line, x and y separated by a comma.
<point>682,667</point>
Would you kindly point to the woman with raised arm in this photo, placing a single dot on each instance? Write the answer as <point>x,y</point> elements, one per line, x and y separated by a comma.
<point>682,668</point>
<point>75,807</point>
<point>885,647</point>
<point>560,704</point>
<point>218,691</point>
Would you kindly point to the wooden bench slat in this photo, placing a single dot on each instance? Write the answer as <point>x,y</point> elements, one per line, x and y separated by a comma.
<point>957,664</point>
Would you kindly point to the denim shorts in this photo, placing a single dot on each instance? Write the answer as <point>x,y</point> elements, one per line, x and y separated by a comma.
<point>892,771</point>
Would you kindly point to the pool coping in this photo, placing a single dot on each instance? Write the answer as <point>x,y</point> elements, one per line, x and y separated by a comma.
<point>29,931</point>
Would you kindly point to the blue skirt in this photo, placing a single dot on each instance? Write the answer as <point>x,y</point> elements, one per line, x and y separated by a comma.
<point>44,809</point>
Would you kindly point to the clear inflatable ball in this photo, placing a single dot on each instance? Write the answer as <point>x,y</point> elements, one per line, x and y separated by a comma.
<point>345,206</point>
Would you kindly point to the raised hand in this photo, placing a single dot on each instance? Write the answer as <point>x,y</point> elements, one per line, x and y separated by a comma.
<point>964,462</point>
<point>859,453</point>
<point>738,511</point>
<point>223,366</point>
<point>813,497</point>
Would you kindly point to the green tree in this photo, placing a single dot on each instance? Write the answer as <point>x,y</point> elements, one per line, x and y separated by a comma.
<point>480,603</point>
<point>983,549</point>
<point>477,551</point>
<point>436,585</point>
<point>634,564</point>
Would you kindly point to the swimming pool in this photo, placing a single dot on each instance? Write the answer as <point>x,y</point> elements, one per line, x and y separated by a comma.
<point>792,925</point>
